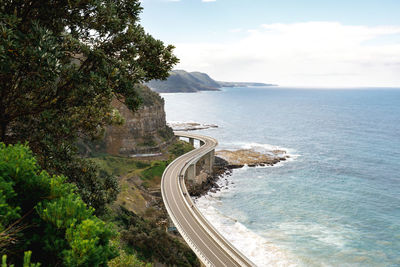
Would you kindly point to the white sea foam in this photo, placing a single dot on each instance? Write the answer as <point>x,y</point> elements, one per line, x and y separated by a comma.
<point>255,247</point>
<point>332,236</point>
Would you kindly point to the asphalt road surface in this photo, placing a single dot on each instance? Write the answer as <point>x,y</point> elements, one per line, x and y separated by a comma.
<point>210,247</point>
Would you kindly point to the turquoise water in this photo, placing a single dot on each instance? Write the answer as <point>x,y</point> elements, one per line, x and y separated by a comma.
<point>337,203</point>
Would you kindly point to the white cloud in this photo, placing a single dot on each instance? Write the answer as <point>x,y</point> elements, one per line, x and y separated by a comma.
<point>235,30</point>
<point>302,54</point>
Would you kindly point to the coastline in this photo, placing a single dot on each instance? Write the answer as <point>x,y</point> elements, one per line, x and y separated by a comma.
<point>223,169</point>
<point>207,198</point>
<point>253,245</point>
<point>220,170</point>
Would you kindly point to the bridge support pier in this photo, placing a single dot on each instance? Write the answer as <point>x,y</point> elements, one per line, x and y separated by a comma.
<point>197,168</point>
<point>210,161</point>
<point>191,172</point>
<point>204,165</point>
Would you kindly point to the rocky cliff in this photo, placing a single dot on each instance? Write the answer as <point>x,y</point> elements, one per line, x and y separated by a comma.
<point>144,132</point>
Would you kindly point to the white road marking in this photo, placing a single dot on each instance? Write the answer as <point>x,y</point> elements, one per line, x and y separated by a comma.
<point>217,243</point>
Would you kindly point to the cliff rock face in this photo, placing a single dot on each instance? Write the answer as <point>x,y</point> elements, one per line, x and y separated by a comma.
<point>144,131</point>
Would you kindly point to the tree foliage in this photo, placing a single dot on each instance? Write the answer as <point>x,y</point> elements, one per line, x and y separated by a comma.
<point>53,221</point>
<point>61,64</point>
<point>125,260</point>
<point>152,242</point>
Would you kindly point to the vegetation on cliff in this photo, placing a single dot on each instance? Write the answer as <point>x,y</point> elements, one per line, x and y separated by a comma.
<point>44,214</point>
<point>61,65</point>
<point>182,81</point>
<point>62,62</point>
<point>149,98</point>
<point>151,241</point>
<point>188,82</point>
<point>139,212</point>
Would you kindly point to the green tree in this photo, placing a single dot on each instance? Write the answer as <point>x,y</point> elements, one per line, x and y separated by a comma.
<point>48,217</point>
<point>151,242</point>
<point>61,64</point>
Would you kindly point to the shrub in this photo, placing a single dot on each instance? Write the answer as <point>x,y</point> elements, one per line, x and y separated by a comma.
<point>56,224</point>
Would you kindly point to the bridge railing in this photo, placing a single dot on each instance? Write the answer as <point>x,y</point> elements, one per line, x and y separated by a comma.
<point>186,237</point>
<point>211,230</point>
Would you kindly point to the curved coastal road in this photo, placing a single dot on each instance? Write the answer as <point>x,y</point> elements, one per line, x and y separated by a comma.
<point>210,247</point>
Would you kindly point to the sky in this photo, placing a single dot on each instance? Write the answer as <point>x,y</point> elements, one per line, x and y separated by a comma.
<point>307,43</point>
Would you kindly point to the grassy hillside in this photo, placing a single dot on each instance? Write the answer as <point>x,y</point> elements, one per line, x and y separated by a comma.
<point>139,212</point>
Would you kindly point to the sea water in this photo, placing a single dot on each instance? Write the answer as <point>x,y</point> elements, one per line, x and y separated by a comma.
<point>336,203</point>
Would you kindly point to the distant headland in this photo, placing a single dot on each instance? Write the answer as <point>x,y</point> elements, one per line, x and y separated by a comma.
<point>181,81</point>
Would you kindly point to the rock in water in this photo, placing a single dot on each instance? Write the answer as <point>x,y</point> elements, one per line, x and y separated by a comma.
<point>251,157</point>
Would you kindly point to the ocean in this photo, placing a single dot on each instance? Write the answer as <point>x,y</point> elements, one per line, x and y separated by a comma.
<point>335,203</point>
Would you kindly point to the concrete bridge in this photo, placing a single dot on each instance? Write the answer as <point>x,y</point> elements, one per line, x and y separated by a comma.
<point>198,171</point>
<point>207,243</point>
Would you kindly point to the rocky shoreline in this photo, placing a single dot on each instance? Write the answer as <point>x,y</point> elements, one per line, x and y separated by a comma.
<point>190,126</point>
<point>221,169</point>
<point>227,160</point>
<point>252,157</point>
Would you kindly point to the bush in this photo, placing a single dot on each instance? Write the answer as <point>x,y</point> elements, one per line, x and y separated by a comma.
<point>151,242</point>
<point>180,148</point>
<point>127,260</point>
<point>156,170</point>
<point>54,223</point>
